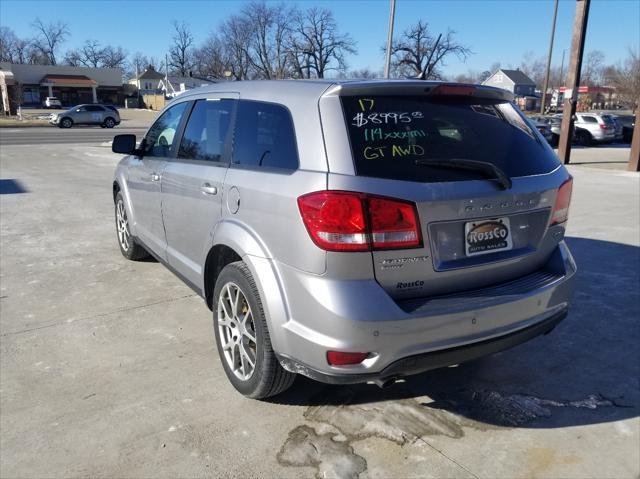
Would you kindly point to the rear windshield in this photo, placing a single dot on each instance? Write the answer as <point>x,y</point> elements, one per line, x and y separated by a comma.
<point>389,134</point>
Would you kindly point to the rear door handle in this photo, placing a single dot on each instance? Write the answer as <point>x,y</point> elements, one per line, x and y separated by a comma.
<point>207,189</point>
<point>155,177</point>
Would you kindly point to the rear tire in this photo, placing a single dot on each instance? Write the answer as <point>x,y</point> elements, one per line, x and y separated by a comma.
<point>242,336</point>
<point>109,122</point>
<point>129,248</point>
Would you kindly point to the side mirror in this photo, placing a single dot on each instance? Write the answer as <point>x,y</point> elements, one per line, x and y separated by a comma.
<point>125,144</point>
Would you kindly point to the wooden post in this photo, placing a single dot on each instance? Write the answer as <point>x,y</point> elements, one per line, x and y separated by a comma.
<point>634,156</point>
<point>573,79</point>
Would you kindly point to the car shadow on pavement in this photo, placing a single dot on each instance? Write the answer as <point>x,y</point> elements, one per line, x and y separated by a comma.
<point>586,371</point>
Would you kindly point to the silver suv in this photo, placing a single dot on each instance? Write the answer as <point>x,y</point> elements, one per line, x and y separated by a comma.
<point>351,231</point>
<point>105,116</point>
<point>591,128</point>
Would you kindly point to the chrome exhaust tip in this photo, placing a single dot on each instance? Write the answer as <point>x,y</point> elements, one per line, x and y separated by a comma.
<point>385,383</point>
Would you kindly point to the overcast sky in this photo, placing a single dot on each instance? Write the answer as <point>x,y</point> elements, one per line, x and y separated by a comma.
<point>496,31</point>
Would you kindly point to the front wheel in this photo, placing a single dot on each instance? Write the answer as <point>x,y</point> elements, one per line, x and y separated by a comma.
<point>242,336</point>
<point>128,246</point>
<point>66,123</point>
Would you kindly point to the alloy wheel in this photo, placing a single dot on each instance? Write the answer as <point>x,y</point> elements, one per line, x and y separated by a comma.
<point>237,332</point>
<point>122,224</point>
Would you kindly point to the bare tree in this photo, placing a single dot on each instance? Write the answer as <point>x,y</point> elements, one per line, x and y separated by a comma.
<point>267,49</point>
<point>181,53</point>
<point>317,46</point>
<point>138,63</point>
<point>93,55</point>
<point>471,76</point>
<point>362,74</point>
<point>18,50</point>
<point>534,67</point>
<point>418,53</point>
<point>236,34</point>
<point>114,57</point>
<point>592,68</point>
<point>212,58</point>
<point>626,79</point>
<point>89,55</point>
<point>49,37</point>
<point>7,45</point>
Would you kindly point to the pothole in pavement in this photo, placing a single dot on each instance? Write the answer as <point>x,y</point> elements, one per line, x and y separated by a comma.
<point>405,420</point>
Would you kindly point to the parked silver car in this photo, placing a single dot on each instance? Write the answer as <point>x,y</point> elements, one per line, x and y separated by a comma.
<point>594,128</point>
<point>105,116</point>
<point>351,231</point>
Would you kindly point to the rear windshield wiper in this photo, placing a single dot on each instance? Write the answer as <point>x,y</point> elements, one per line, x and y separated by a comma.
<point>489,170</point>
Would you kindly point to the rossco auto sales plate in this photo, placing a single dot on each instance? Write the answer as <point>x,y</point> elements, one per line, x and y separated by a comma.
<point>487,236</point>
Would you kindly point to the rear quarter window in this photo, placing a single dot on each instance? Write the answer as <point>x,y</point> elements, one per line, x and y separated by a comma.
<point>389,134</point>
<point>264,136</point>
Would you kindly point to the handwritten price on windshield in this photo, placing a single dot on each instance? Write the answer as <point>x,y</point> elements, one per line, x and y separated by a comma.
<point>361,119</point>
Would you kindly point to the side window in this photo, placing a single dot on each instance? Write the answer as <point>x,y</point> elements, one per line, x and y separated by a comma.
<point>94,108</point>
<point>205,135</point>
<point>264,136</point>
<point>159,139</point>
<point>589,119</point>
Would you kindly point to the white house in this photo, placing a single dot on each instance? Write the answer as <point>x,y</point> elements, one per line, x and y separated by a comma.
<point>176,85</point>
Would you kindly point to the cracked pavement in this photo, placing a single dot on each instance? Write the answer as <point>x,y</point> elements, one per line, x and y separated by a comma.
<point>108,368</point>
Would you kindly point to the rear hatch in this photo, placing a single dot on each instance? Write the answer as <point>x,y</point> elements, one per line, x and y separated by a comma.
<point>437,147</point>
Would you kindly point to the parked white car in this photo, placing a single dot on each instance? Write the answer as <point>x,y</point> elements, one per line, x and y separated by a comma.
<point>593,128</point>
<point>52,102</point>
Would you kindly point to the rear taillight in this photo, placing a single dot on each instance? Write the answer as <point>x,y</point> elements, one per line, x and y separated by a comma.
<point>347,221</point>
<point>394,224</point>
<point>604,127</point>
<point>340,358</point>
<point>563,200</point>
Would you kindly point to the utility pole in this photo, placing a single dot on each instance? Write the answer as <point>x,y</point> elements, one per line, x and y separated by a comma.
<point>562,68</point>
<point>634,156</point>
<point>546,76</point>
<point>387,62</point>
<point>573,79</point>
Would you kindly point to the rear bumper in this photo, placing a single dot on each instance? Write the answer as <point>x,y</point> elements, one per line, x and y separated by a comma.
<point>411,336</point>
<point>603,136</point>
<point>432,360</point>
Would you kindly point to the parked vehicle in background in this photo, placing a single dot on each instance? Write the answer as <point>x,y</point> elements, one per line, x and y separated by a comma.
<point>553,123</point>
<point>351,231</point>
<point>617,126</point>
<point>544,130</point>
<point>51,102</point>
<point>594,128</point>
<point>628,122</point>
<point>86,115</point>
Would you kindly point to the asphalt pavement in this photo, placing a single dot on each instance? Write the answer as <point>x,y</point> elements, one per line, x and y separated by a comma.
<point>54,135</point>
<point>108,367</point>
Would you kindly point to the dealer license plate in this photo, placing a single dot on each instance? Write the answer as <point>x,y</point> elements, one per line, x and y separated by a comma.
<point>487,236</point>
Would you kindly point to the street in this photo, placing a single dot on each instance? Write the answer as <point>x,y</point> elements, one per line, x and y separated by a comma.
<point>53,135</point>
<point>108,368</point>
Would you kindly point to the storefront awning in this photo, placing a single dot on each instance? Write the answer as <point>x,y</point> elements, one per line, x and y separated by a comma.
<point>68,81</point>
